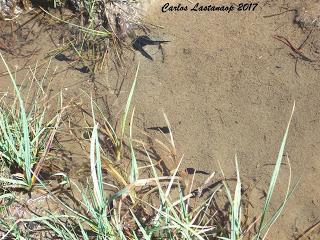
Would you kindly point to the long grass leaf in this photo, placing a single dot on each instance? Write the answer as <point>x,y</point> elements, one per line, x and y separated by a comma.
<point>126,111</point>
<point>274,176</point>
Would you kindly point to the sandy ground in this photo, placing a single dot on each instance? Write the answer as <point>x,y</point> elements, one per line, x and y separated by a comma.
<point>228,87</point>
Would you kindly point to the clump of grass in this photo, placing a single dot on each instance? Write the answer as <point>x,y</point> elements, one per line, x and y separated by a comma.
<point>145,204</point>
<point>168,213</point>
<point>113,138</point>
<point>112,217</point>
<point>96,219</point>
<point>25,136</point>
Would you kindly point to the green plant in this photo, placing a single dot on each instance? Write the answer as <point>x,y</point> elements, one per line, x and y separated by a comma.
<point>25,136</point>
<point>125,213</point>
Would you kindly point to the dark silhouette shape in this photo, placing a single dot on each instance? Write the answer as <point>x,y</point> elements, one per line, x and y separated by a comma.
<point>193,171</point>
<point>84,69</point>
<point>62,57</point>
<point>142,41</point>
<point>160,129</point>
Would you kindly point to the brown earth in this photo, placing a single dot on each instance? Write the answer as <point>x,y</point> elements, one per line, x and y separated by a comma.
<point>228,87</point>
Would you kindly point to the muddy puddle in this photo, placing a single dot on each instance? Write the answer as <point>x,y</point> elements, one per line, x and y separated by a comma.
<point>227,83</point>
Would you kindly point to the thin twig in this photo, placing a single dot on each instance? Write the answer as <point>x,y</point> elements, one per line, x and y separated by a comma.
<point>301,46</point>
<point>295,50</point>
<point>308,231</point>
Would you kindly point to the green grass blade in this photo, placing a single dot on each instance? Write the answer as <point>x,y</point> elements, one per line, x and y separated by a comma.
<point>126,111</point>
<point>235,219</point>
<point>144,233</point>
<point>274,177</point>
<point>134,166</point>
<point>95,162</point>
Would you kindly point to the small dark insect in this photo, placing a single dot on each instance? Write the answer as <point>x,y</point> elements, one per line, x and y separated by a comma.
<point>62,57</point>
<point>143,41</point>
<point>160,129</point>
